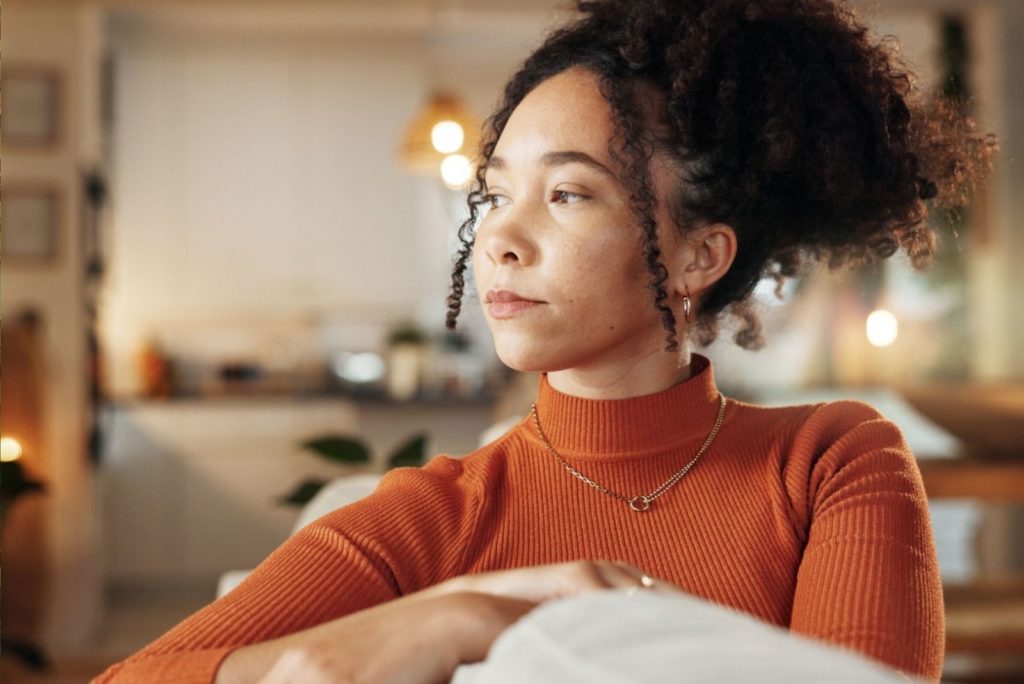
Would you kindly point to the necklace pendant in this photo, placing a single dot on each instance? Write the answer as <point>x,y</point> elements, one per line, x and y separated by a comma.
<point>640,503</point>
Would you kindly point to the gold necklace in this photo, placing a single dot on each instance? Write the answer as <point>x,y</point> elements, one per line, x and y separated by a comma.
<point>640,502</point>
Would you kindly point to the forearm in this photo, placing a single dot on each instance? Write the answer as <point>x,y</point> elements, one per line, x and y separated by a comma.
<point>418,638</point>
<point>348,640</point>
<point>251,662</point>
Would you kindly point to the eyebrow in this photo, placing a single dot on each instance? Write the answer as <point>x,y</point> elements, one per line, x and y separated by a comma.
<point>558,159</point>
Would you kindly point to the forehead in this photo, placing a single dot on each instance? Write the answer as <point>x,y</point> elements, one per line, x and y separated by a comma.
<point>564,112</point>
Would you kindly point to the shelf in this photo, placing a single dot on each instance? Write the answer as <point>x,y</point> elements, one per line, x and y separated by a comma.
<point>990,480</point>
<point>985,617</point>
<point>283,397</point>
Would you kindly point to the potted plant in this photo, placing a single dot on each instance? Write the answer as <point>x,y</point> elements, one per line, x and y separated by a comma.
<point>342,449</point>
<point>15,482</point>
<point>407,345</point>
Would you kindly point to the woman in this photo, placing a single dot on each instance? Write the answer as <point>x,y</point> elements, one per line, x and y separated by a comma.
<point>646,167</point>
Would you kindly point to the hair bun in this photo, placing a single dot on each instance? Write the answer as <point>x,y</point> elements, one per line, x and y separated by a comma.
<point>926,188</point>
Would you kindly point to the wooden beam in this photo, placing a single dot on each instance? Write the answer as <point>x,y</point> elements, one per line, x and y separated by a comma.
<point>974,478</point>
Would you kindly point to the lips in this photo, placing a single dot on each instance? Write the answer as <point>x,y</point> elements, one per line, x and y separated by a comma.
<point>506,304</point>
<point>505,296</point>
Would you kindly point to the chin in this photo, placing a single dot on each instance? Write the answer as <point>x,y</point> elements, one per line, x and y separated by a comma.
<point>531,357</point>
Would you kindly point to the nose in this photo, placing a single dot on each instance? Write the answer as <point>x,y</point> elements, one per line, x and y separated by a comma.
<point>505,237</point>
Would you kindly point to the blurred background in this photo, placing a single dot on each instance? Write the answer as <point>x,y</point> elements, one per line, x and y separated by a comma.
<point>227,236</point>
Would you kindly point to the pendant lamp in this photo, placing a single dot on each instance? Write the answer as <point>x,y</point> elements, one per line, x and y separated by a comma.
<point>444,133</point>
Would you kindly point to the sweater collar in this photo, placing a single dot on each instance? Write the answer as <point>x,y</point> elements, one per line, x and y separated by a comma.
<point>579,426</point>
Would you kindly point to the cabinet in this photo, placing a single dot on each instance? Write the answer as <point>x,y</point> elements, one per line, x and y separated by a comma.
<point>984,618</point>
<point>189,487</point>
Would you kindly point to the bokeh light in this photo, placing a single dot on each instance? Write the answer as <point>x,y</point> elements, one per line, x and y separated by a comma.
<point>447,137</point>
<point>455,170</point>
<point>10,449</point>
<point>882,328</point>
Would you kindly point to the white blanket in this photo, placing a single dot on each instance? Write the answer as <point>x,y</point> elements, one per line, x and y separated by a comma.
<point>614,637</point>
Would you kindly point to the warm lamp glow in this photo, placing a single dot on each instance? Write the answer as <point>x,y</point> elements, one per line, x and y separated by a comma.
<point>455,170</point>
<point>882,328</point>
<point>444,125</point>
<point>10,450</point>
<point>447,136</point>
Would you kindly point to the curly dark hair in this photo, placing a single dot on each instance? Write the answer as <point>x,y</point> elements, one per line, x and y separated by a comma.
<point>790,124</point>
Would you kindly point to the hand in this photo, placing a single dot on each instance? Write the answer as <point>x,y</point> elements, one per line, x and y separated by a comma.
<point>417,639</point>
<point>540,583</point>
<point>422,637</point>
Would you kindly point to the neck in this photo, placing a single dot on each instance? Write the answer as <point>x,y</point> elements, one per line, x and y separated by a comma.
<point>619,428</point>
<point>634,378</point>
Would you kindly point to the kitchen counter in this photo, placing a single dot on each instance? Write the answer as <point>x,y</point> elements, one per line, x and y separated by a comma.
<point>189,486</point>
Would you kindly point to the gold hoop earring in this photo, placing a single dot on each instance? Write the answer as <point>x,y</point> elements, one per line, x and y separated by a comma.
<point>686,304</point>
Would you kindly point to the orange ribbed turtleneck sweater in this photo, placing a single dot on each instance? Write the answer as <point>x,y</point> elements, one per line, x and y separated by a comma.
<point>812,517</point>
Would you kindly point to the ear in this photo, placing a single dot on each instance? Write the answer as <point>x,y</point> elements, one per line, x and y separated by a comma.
<point>701,258</point>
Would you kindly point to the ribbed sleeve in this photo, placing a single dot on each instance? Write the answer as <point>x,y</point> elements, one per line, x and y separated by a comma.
<point>868,579</point>
<point>405,536</point>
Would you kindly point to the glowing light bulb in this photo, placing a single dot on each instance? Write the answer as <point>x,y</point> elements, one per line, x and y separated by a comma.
<point>882,328</point>
<point>455,170</point>
<point>10,450</point>
<point>447,136</point>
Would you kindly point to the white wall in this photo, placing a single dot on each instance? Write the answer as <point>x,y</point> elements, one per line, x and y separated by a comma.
<point>256,180</point>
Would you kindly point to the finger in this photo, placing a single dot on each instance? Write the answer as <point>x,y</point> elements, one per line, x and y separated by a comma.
<point>515,608</point>
<point>633,571</point>
<point>574,577</point>
<point>645,580</point>
<point>639,577</point>
<point>618,575</point>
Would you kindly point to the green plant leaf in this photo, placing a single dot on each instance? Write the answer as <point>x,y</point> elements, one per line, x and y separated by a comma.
<point>406,333</point>
<point>339,449</point>
<point>302,494</point>
<point>410,453</point>
<point>14,481</point>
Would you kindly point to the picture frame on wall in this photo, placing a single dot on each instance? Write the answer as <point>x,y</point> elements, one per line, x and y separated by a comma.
<point>31,104</point>
<point>31,224</point>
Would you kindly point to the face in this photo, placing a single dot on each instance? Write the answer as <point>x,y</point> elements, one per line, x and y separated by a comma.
<point>558,257</point>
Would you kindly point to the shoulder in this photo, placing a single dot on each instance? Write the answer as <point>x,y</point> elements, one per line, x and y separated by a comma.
<point>445,474</point>
<point>826,434</point>
<point>417,522</point>
<point>814,450</point>
<point>847,449</point>
<point>440,478</point>
<point>809,430</point>
<point>835,433</point>
<point>834,420</point>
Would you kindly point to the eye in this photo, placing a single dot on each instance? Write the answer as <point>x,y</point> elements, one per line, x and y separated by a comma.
<point>567,197</point>
<point>493,200</point>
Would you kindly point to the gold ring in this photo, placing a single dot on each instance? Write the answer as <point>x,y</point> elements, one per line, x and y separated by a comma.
<point>647,582</point>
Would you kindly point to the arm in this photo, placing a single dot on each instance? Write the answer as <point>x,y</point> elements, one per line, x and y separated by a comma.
<point>420,638</point>
<point>318,575</point>
<point>869,577</point>
<point>362,555</point>
<point>423,637</point>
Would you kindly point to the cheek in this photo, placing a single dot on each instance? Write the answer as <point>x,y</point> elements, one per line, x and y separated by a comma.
<point>478,264</point>
<point>605,287</point>
<point>610,265</point>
